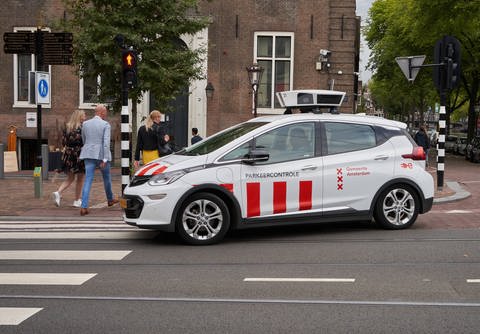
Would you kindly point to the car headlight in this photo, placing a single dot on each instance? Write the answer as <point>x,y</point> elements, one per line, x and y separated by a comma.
<point>166,178</point>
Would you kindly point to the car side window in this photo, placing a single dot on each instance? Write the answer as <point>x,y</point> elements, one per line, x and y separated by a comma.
<point>347,137</point>
<point>286,143</point>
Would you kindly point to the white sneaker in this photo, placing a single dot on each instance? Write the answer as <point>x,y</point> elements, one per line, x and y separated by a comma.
<point>56,198</point>
<point>77,203</point>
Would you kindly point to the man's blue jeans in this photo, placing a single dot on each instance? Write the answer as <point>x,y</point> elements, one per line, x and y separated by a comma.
<point>90,165</point>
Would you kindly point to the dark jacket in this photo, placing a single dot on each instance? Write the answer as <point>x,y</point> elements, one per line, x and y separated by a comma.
<point>146,140</point>
<point>421,138</point>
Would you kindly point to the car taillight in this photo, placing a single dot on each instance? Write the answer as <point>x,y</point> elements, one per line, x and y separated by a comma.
<point>417,154</point>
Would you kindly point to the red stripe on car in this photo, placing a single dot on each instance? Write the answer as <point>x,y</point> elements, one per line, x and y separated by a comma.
<point>253,199</point>
<point>228,186</point>
<point>305,195</point>
<point>159,170</point>
<point>147,168</point>
<point>279,197</point>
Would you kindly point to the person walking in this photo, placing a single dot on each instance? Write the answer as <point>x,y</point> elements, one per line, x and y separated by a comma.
<point>195,136</point>
<point>96,153</point>
<point>71,164</point>
<point>150,138</point>
<point>421,138</point>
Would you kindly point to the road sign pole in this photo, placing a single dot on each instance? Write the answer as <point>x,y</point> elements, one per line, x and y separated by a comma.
<point>39,65</point>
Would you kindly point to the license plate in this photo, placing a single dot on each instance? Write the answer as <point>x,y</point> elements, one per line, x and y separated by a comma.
<point>123,203</point>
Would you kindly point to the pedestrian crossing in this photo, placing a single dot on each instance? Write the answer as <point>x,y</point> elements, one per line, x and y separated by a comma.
<point>72,229</point>
<point>12,316</point>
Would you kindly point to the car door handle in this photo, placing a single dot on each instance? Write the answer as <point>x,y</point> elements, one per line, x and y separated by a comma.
<point>381,157</point>
<point>311,167</point>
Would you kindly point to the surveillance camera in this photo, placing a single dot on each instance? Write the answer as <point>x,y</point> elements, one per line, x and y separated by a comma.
<point>324,52</point>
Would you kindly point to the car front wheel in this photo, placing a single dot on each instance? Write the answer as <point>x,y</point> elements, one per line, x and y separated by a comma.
<point>397,207</point>
<point>203,219</point>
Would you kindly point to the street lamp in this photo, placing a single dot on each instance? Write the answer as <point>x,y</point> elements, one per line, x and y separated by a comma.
<point>209,90</point>
<point>255,77</point>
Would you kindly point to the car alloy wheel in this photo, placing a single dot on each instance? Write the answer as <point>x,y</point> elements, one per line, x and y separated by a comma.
<point>397,207</point>
<point>203,219</point>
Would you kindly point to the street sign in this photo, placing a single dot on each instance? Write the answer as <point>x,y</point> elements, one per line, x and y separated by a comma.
<point>410,66</point>
<point>56,48</point>
<point>42,84</point>
<point>49,59</point>
<point>22,42</point>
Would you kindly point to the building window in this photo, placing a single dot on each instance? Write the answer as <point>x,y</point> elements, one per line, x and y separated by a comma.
<point>89,91</point>
<point>274,53</point>
<point>22,64</point>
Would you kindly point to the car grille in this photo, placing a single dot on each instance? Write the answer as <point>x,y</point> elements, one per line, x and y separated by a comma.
<point>134,206</point>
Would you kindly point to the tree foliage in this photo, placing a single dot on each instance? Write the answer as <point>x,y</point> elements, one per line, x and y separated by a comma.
<point>412,27</point>
<point>151,27</point>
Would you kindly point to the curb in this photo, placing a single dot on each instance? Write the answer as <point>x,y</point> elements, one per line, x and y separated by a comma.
<point>460,194</point>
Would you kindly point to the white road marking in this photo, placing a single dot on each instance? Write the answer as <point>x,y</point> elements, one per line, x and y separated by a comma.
<point>473,280</point>
<point>459,211</point>
<point>380,303</point>
<point>16,315</point>
<point>44,278</point>
<point>74,234</point>
<point>299,279</point>
<point>63,255</point>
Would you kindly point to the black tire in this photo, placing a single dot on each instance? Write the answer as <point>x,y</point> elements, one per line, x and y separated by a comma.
<point>203,219</point>
<point>397,207</point>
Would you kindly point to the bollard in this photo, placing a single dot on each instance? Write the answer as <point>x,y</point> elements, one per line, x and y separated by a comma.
<point>44,149</point>
<point>37,181</point>
<point>2,161</point>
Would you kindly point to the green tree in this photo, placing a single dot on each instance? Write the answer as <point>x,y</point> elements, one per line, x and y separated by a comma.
<point>412,27</point>
<point>151,27</point>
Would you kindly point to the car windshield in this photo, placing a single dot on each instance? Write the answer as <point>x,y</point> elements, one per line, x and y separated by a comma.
<point>218,140</point>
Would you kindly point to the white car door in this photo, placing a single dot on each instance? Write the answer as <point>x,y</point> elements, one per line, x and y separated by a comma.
<point>290,181</point>
<point>355,166</point>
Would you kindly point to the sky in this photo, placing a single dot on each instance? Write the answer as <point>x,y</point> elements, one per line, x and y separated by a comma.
<point>362,10</point>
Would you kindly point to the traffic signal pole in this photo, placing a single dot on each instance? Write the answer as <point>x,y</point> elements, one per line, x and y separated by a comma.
<point>129,80</point>
<point>446,76</point>
<point>125,139</point>
<point>441,140</point>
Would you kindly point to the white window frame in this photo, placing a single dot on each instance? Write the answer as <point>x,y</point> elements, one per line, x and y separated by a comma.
<point>274,34</point>
<point>87,105</point>
<point>16,102</point>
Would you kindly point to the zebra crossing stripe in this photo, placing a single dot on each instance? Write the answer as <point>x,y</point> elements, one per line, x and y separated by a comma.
<point>11,316</point>
<point>44,278</point>
<point>86,255</point>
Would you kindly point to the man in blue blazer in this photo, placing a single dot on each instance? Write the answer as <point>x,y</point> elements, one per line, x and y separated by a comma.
<point>96,153</point>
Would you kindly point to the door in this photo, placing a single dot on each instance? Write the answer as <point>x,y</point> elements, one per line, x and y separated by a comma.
<point>290,181</point>
<point>354,166</point>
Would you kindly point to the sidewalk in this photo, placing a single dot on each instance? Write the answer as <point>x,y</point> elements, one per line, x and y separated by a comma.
<point>18,202</point>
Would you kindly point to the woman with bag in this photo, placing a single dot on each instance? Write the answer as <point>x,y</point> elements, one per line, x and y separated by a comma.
<point>71,164</point>
<point>151,139</point>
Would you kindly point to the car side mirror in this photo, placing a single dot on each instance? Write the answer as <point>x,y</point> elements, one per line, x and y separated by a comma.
<point>256,156</point>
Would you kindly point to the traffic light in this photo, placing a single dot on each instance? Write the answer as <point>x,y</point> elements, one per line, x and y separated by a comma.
<point>453,64</point>
<point>129,68</point>
<point>447,53</point>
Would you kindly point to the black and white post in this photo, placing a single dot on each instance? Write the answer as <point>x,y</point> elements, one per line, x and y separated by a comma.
<point>125,140</point>
<point>441,142</point>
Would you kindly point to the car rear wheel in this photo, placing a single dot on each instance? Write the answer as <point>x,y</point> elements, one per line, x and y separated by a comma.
<point>397,207</point>
<point>203,219</point>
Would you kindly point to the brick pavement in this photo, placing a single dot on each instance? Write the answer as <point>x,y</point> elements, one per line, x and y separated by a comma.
<point>18,201</point>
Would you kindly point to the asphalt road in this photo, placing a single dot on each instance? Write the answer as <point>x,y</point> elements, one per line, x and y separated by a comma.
<point>317,279</point>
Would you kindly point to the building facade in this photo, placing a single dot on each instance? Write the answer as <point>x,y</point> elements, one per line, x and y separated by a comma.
<point>299,44</point>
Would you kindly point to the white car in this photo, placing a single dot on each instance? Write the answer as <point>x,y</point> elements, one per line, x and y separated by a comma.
<point>285,169</point>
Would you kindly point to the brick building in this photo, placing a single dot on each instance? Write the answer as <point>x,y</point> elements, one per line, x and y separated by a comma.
<point>300,44</point>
